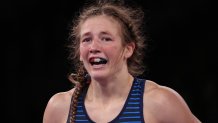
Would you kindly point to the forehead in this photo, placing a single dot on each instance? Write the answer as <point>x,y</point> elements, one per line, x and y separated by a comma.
<point>101,23</point>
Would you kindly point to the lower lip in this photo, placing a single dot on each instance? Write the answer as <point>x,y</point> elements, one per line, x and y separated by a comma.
<point>98,66</point>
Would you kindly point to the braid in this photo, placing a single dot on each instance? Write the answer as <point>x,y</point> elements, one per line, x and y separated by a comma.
<point>74,104</point>
<point>82,83</point>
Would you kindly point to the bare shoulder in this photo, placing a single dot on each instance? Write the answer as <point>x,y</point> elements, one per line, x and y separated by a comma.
<point>57,108</point>
<point>166,105</point>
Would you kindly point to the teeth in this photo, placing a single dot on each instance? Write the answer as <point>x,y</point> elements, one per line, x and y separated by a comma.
<point>97,60</point>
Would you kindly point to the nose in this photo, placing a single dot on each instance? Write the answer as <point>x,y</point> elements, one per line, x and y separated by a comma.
<point>95,47</point>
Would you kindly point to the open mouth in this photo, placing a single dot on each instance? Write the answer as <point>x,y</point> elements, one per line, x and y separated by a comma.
<point>98,61</point>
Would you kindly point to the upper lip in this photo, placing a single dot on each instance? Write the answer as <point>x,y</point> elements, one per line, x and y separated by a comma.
<point>94,57</point>
<point>89,59</point>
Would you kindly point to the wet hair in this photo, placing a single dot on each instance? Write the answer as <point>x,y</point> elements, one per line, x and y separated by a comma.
<point>131,21</point>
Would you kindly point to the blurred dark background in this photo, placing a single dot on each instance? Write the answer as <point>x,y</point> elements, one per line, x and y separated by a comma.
<point>182,36</point>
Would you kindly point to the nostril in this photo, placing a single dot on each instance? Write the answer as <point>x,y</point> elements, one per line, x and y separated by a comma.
<point>94,51</point>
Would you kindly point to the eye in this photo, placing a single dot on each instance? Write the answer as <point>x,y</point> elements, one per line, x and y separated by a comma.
<point>86,40</point>
<point>106,39</point>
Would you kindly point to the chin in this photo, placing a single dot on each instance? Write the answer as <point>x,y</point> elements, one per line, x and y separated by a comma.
<point>99,75</point>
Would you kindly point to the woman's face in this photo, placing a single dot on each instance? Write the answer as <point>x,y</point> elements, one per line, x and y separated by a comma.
<point>101,49</point>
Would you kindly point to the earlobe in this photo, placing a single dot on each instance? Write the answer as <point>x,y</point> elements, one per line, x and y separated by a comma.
<point>80,58</point>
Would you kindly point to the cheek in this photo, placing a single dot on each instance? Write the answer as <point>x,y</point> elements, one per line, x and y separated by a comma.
<point>113,51</point>
<point>82,52</point>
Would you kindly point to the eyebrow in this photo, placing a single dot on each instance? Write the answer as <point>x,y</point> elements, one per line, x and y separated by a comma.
<point>85,34</point>
<point>101,33</point>
<point>105,33</point>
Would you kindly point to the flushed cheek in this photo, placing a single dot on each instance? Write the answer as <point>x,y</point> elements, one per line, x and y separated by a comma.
<point>111,49</point>
<point>114,54</point>
<point>83,52</point>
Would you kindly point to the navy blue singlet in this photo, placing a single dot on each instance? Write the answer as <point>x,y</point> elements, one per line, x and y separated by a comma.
<point>132,112</point>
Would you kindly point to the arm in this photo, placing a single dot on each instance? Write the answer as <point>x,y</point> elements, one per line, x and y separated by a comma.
<point>57,108</point>
<point>177,111</point>
<point>166,106</point>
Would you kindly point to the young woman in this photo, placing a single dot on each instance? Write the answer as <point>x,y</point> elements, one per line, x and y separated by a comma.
<point>108,49</point>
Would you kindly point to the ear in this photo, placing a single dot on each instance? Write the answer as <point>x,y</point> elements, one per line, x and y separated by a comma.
<point>130,47</point>
<point>80,57</point>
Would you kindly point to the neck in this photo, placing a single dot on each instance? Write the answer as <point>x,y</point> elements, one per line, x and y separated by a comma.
<point>116,87</point>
